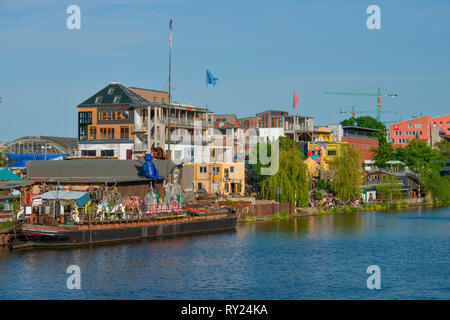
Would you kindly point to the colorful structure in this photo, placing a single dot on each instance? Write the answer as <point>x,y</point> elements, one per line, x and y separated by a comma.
<point>220,177</point>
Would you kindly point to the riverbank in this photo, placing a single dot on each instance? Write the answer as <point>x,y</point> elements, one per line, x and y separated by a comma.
<point>308,211</point>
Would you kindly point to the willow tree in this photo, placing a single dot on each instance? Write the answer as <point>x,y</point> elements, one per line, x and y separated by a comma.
<point>292,175</point>
<point>346,170</point>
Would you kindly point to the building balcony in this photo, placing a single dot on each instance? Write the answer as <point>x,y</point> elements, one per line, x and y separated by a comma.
<point>140,147</point>
<point>140,128</point>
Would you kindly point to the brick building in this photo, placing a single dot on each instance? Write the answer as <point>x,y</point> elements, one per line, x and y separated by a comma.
<point>361,139</point>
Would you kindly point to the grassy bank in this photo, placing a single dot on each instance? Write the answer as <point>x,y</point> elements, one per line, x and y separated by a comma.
<point>346,210</point>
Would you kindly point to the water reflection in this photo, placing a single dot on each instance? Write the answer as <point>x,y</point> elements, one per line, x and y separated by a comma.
<point>320,257</point>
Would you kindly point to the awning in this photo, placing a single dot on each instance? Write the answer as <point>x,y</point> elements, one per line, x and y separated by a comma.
<point>81,198</point>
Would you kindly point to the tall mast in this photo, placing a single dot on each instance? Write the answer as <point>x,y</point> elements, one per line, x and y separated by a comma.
<point>170,102</point>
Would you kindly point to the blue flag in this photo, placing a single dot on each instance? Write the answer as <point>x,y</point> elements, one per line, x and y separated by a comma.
<point>210,78</point>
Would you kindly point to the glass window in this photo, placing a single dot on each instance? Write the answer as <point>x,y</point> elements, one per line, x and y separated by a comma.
<point>232,169</point>
<point>124,133</point>
<point>409,125</point>
<point>98,99</point>
<point>117,99</point>
<point>418,125</point>
<point>110,90</point>
<point>92,133</point>
<point>202,169</point>
<point>89,153</point>
<point>107,153</point>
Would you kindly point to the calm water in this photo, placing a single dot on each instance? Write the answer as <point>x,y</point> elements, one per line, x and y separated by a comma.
<point>312,258</point>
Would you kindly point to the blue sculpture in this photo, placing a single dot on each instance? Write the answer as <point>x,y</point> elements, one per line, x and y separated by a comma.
<point>149,168</point>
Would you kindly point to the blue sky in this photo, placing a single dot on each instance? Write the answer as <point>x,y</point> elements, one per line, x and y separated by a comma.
<point>260,51</point>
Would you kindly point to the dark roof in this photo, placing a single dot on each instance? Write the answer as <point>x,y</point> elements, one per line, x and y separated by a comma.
<point>90,170</point>
<point>360,128</point>
<point>127,97</point>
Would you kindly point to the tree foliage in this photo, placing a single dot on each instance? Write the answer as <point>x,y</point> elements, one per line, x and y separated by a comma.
<point>434,184</point>
<point>443,147</point>
<point>384,153</point>
<point>390,189</point>
<point>368,122</point>
<point>416,155</point>
<point>347,176</point>
<point>3,160</point>
<point>292,176</point>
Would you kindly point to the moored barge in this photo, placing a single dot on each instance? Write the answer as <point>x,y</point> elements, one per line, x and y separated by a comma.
<point>36,235</point>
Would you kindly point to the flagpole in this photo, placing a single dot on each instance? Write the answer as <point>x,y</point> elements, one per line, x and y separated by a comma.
<point>170,102</point>
<point>206,95</point>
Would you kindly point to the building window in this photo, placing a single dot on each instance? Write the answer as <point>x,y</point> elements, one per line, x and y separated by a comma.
<point>409,125</point>
<point>98,99</point>
<point>88,153</point>
<point>232,169</point>
<point>215,170</point>
<point>440,122</point>
<point>107,153</point>
<point>93,133</point>
<point>331,152</point>
<point>84,119</point>
<point>202,169</point>
<point>110,90</point>
<point>106,133</point>
<point>226,172</point>
<point>117,99</point>
<point>124,133</point>
<point>177,154</point>
<point>155,99</point>
<point>106,115</point>
<point>418,125</point>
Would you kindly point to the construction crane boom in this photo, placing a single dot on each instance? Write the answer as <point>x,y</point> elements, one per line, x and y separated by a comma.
<point>378,95</point>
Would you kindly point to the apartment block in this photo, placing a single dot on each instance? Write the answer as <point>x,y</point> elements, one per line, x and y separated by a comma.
<point>421,128</point>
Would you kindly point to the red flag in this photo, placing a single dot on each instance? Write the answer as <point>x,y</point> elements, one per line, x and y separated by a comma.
<point>295,100</point>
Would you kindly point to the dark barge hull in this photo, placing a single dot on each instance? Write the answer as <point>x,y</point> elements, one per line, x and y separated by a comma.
<point>44,236</point>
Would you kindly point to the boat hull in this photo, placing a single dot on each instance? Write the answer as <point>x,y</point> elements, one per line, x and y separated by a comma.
<point>43,236</point>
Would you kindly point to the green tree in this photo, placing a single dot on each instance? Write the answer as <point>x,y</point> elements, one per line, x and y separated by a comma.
<point>292,176</point>
<point>369,122</point>
<point>389,189</point>
<point>417,155</point>
<point>443,147</point>
<point>384,153</point>
<point>3,160</point>
<point>346,170</point>
<point>434,184</point>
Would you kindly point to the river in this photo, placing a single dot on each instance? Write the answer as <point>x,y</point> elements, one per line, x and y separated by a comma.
<point>321,257</point>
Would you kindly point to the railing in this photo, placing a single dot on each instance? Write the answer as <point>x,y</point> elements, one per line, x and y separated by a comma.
<point>140,147</point>
<point>358,136</point>
<point>141,127</point>
<point>290,127</point>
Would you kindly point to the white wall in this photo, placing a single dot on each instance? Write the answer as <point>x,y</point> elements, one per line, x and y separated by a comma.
<point>120,149</point>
